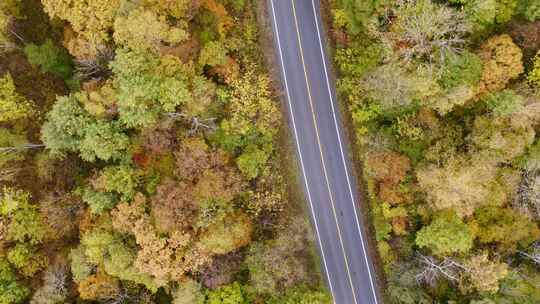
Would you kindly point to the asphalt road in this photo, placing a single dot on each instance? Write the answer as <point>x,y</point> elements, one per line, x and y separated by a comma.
<point>329,187</point>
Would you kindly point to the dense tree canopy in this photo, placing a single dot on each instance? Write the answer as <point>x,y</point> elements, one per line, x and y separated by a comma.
<point>444,103</point>
<point>139,157</point>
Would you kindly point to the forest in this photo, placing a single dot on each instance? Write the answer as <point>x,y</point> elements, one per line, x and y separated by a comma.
<point>142,158</point>
<point>444,105</point>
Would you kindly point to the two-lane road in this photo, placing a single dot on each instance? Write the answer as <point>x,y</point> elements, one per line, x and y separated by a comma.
<point>329,187</point>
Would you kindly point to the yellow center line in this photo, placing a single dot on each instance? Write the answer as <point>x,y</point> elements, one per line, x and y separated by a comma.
<point>321,151</point>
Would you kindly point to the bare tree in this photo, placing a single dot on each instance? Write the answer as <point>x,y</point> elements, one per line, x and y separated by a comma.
<point>430,30</point>
<point>527,200</point>
<point>533,253</point>
<point>433,270</point>
<point>26,146</point>
<point>196,123</point>
<point>95,68</point>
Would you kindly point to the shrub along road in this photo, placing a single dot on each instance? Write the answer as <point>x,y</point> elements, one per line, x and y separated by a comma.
<point>328,184</point>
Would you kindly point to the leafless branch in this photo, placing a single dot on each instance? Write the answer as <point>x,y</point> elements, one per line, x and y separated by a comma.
<point>96,68</point>
<point>432,270</point>
<point>195,122</point>
<point>534,254</point>
<point>23,147</point>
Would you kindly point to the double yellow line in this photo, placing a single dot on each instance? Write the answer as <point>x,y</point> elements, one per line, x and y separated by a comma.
<point>312,108</point>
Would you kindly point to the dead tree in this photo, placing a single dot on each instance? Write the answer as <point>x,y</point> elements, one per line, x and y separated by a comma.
<point>433,270</point>
<point>196,123</point>
<point>533,253</point>
<point>27,146</point>
<point>95,68</point>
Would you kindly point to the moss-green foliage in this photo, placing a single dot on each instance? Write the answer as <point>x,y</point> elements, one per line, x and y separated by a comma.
<point>530,9</point>
<point>69,128</point>
<point>13,106</point>
<point>102,247</point>
<point>11,291</point>
<point>404,295</point>
<point>213,53</point>
<point>503,103</point>
<point>446,92</point>
<point>487,13</point>
<point>446,234</point>
<point>505,227</point>
<point>229,294</point>
<point>26,259</point>
<point>530,161</point>
<point>98,201</point>
<point>149,86</point>
<point>135,216</point>
<point>354,62</point>
<point>25,224</point>
<point>359,12</point>
<point>81,267</point>
<point>121,179</point>
<point>461,69</point>
<point>534,73</point>
<point>50,58</point>
<point>145,30</point>
<point>252,161</point>
<point>302,295</point>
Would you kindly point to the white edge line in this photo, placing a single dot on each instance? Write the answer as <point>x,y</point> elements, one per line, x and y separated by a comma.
<point>299,149</point>
<point>341,150</point>
<point>319,145</point>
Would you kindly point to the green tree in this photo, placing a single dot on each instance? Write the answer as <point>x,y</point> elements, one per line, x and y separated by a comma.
<point>122,179</point>
<point>228,235</point>
<point>230,294</point>
<point>65,125</point>
<point>25,222</point>
<point>69,128</point>
<point>530,9</point>
<point>81,266</point>
<point>50,58</point>
<point>98,201</point>
<point>213,53</point>
<point>503,103</point>
<point>103,140</point>
<point>13,106</point>
<point>504,227</point>
<point>302,295</point>
<point>253,116</point>
<point>11,291</point>
<point>26,259</point>
<point>534,73</point>
<point>354,62</point>
<point>461,69</point>
<point>359,12</point>
<point>144,30</point>
<point>252,161</point>
<point>107,248</point>
<point>502,139</point>
<point>446,234</point>
<point>149,86</point>
<point>407,295</point>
